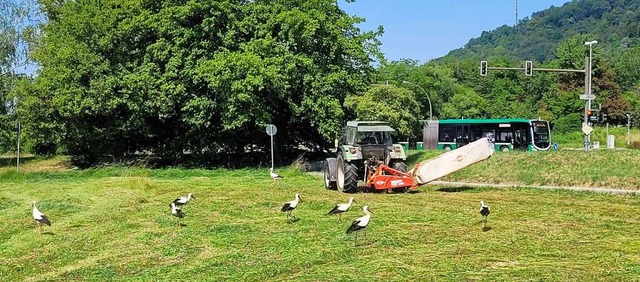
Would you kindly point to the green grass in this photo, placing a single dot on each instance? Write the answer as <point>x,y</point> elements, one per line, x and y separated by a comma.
<point>576,139</point>
<point>114,224</point>
<point>600,168</point>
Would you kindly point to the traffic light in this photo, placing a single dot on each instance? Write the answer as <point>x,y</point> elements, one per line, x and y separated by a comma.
<point>593,115</point>
<point>483,68</point>
<point>603,117</point>
<point>528,68</point>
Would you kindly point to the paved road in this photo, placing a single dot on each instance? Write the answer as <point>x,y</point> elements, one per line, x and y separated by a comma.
<point>591,189</point>
<point>471,184</point>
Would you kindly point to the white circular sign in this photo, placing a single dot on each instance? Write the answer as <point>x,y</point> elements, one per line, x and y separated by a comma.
<point>272,129</point>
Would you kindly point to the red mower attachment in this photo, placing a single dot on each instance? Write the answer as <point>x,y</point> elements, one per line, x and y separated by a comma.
<point>384,178</point>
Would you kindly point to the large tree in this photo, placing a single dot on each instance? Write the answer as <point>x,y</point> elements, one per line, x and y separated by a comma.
<point>169,77</point>
<point>19,21</point>
<point>396,105</point>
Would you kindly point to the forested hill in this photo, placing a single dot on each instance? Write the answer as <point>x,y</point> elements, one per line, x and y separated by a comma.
<point>614,23</point>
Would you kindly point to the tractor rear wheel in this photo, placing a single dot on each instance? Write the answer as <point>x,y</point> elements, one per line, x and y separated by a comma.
<point>347,176</point>
<point>401,166</point>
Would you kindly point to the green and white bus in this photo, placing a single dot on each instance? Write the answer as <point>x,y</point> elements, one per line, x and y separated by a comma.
<point>507,134</point>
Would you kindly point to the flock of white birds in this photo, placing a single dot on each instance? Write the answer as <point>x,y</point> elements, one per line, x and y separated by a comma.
<point>357,225</point>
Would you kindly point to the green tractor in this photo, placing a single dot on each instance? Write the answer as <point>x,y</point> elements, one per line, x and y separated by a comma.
<point>364,146</point>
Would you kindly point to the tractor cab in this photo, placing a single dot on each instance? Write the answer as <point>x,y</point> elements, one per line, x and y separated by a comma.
<point>365,145</point>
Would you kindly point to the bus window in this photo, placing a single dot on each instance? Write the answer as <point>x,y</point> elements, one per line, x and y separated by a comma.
<point>504,136</point>
<point>489,134</point>
<point>447,133</point>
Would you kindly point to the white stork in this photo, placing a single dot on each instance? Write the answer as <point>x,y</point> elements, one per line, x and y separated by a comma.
<point>341,208</point>
<point>181,201</point>
<point>177,212</point>
<point>274,175</point>
<point>290,206</point>
<point>360,223</point>
<point>39,217</point>
<point>484,211</point>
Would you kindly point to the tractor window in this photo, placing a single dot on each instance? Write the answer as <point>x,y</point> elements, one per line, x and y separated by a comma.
<point>350,136</point>
<point>378,138</point>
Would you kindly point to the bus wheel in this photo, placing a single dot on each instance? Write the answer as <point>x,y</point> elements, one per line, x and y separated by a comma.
<point>447,148</point>
<point>504,149</point>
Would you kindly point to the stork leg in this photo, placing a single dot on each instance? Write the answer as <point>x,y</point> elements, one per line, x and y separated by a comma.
<point>355,241</point>
<point>339,217</point>
<point>38,227</point>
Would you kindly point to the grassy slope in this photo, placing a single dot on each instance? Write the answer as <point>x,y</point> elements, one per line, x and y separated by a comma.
<point>602,168</point>
<point>115,224</point>
<point>576,139</point>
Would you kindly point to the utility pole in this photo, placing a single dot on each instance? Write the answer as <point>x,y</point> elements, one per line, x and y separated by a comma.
<point>18,157</point>
<point>516,25</point>
<point>628,129</point>
<point>589,78</point>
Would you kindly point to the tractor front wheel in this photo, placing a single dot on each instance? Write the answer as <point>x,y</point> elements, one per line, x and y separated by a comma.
<point>347,176</point>
<point>328,183</point>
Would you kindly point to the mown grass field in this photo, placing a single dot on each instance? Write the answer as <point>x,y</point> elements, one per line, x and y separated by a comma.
<point>114,224</point>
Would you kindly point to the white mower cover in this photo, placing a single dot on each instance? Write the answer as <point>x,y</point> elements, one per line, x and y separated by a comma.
<point>452,161</point>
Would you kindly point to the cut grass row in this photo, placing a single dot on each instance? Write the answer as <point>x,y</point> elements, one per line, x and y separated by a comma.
<point>599,168</point>
<point>114,224</point>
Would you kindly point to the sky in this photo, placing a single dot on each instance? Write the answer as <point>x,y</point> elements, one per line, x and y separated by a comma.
<point>427,29</point>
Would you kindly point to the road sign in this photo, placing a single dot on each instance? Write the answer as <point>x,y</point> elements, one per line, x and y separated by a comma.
<point>272,129</point>
<point>586,128</point>
<point>587,97</point>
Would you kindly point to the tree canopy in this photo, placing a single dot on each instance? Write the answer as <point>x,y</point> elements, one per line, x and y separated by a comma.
<point>396,105</point>
<point>202,77</point>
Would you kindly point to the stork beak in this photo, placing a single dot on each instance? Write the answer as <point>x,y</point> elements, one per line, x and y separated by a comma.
<point>300,199</point>
<point>369,210</point>
<point>354,200</point>
<point>193,197</point>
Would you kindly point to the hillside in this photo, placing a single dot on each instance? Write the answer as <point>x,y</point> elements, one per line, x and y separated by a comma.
<point>614,23</point>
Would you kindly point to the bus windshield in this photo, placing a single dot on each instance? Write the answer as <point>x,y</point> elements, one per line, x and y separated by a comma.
<point>540,134</point>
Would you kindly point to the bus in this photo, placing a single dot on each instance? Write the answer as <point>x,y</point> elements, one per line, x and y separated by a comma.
<point>507,134</point>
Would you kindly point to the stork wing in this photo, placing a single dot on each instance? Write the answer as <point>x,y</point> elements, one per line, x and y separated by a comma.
<point>44,220</point>
<point>334,210</point>
<point>286,207</point>
<point>354,226</point>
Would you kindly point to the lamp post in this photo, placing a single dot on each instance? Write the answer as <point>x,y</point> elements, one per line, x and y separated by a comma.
<point>587,105</point>
<point>428,99</point>
<point>590,43</point>
<point>628,128</point>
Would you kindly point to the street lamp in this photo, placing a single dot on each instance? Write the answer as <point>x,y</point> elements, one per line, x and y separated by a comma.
<point>590,43</point>
<point>628,128</point>
<point>588,103</point>
<point>428,99</point>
